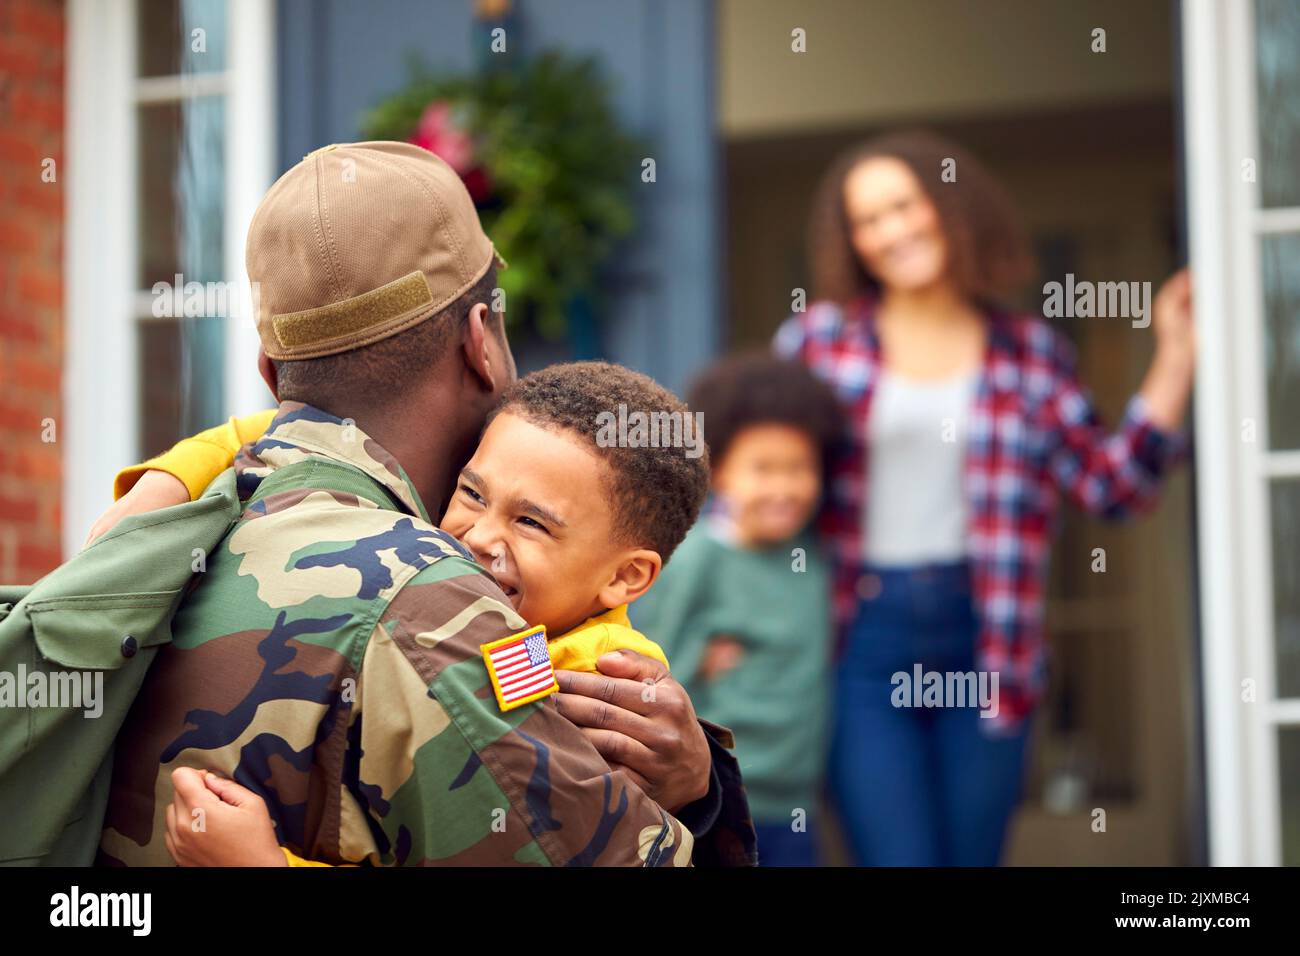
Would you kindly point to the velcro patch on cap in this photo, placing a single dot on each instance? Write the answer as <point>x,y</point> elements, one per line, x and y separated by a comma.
<point>353,318</point>
<point>520,668</point>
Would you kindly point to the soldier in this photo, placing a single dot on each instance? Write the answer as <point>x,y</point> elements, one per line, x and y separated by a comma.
<point>329,658</point>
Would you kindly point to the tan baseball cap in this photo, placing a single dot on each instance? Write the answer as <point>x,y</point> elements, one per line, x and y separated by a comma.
<point>358,242</point>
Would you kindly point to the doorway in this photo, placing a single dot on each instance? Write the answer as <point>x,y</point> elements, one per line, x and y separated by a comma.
<point>1086,143</point>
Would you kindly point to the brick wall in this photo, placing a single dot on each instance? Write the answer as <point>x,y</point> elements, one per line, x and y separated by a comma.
<point>31,286</point>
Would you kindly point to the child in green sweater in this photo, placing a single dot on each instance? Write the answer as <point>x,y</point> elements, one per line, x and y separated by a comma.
<point>743,609</point>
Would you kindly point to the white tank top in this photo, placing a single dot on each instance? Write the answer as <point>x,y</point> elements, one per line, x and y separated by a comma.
<point>916,509</point>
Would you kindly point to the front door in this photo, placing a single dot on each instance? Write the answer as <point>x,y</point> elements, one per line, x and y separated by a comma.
<point>1242,82</point>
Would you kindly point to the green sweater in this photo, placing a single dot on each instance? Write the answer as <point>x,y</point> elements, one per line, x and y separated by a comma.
<point>776,699</point>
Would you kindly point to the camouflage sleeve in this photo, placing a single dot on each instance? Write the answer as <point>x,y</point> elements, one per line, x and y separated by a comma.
<point>444,777</point>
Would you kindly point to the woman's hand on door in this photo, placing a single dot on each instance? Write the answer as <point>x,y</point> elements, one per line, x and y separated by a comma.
<point>1169,381</point>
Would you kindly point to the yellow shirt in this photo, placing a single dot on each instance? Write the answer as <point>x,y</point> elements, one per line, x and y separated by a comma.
<point>580,648</point>
<point>197,461</point>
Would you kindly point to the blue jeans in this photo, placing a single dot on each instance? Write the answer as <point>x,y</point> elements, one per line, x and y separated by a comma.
<point>779,845</point>
<point>918,786</point>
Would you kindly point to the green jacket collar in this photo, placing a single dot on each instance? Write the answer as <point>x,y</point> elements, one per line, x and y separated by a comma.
<point>299,430</point>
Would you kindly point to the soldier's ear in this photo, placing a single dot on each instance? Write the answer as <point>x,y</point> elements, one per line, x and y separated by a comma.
<point>267,369</point>
<point>478,356</point>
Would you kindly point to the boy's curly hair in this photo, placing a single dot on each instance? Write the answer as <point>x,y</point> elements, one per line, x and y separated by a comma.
<point>757,388</point>
<point>655,492</point>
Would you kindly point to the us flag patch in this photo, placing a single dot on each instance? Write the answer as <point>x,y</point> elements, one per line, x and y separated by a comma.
<point>520,668</point>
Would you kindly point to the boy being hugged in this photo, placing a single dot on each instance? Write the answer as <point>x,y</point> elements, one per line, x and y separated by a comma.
<point>743,612</point>
<point>572,528</point>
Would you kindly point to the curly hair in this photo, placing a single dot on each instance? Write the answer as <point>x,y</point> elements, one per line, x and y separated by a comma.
<point>989,254</point>
<point>656,491</point>
<point>756,388</point>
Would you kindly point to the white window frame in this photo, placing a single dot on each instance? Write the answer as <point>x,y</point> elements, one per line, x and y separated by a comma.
<point>100,392</point>
<point>1233,475</point>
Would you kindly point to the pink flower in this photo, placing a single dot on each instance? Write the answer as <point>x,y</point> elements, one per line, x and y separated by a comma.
<point>438,133</point>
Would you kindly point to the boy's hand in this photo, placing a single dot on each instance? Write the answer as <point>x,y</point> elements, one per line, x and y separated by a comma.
<point>154,490</point>
<point>722,654</point>
<point>643,723</point>
<point>233,828</point>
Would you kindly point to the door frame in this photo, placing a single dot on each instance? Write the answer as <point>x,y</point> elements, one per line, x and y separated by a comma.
<point>99,430</point>
<point>1233,471</point>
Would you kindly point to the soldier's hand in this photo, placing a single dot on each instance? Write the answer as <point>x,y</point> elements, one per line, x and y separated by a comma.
<point>154,490</point>
<point>643,723</point>
<point>230,828</point>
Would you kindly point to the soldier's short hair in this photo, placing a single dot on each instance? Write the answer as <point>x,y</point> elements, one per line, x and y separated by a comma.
<point>368,375</point>
<point>656,490</point>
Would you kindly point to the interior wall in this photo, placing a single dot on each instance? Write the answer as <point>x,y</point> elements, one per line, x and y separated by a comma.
<point>869,61</point>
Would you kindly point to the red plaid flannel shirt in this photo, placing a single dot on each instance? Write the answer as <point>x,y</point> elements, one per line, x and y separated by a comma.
<point>1033,436</point>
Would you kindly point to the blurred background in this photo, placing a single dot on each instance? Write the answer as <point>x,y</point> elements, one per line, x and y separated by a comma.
<point>647,168</point>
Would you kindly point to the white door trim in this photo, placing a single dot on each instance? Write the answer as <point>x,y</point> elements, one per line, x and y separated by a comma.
<point>1233,471</point>
<point>99,372</point>
<point>250,170</point>
<point>100,385</point>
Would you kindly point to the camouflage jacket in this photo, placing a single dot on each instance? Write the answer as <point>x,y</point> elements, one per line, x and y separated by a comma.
<point>329,660</point>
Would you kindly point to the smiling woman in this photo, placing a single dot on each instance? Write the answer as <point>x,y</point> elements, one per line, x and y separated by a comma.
<point>861,205</point>
<point>968,425</point>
